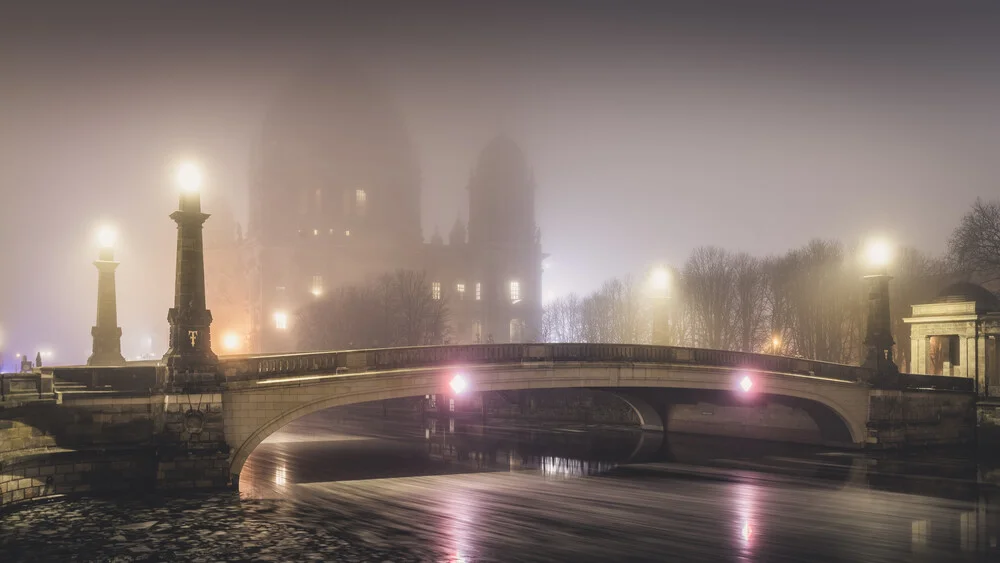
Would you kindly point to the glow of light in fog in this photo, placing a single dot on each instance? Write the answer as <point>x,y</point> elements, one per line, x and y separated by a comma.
<point>746,383</point>
<point>459,384</point>
<point>878,252</point>
<point>189,176</point>
<point>107,236</point>
<point>280,320</point>
<point>231,342</point>
<point>660,278</point>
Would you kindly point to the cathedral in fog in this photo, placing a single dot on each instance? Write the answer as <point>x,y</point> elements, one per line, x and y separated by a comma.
<point>335,201</point>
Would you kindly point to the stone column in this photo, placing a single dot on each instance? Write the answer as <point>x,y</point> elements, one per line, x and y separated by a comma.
<point>107,335</point>
<point>190,360</point>
<point>878,338</point>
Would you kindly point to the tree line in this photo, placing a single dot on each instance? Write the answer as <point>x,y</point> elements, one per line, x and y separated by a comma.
<point>810,302</point>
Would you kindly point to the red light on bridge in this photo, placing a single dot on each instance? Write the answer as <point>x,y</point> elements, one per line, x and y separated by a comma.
<point>459,384</point>
<point>746,384</point>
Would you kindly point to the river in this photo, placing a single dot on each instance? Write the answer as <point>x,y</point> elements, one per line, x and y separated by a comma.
<point>362,484</point>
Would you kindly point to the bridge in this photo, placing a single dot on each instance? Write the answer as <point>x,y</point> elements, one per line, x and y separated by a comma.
<point>192,419</point>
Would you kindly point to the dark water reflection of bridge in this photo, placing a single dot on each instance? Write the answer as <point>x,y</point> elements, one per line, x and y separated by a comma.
<point>781,500</point>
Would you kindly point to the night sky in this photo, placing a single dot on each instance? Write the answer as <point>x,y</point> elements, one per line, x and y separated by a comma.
<point>652,127</point>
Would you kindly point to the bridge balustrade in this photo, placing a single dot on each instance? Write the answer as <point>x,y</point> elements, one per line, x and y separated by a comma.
<point>25,386</point>
<point>353,361</point>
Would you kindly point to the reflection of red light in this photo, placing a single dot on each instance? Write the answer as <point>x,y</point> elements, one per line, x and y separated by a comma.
<point>746,531</point>
<point>746,383</point>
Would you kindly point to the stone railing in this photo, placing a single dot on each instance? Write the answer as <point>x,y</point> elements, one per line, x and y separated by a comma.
<point>24,387</point>
<point>253,367</point>
<point>137,376</point>
<point>937,382</point>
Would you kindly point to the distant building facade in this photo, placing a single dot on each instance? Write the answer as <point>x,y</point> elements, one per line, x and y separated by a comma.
<point>335,201</point>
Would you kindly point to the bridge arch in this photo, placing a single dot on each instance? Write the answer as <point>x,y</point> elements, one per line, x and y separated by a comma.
<point>256,411</point>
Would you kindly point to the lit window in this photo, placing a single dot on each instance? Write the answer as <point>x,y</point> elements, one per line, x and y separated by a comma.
<point>315,232</point>
<point>360,201</point>
<point>515,291</point>
<point>280,320</point>
<point>516,330</point>
<point>436,290</point>
<point>477,331</point>
<point>479,291</point>
<point>460,288</point>
<point>317,285</point>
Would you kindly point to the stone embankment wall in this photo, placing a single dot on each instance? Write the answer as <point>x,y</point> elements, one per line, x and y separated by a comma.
<point>111,442</point>
<point>921,418</point>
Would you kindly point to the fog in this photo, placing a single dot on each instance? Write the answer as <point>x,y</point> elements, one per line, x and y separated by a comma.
<point>652,130</point>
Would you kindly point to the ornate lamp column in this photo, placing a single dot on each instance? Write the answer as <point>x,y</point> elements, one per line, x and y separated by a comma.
<point>878,337</point>
<point>190,360</point>
<point>106,333</point>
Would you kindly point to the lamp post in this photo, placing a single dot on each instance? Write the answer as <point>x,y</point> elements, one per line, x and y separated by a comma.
<point>659,285</point>
<point>189,359</point>
<point>878,337</point>
<point>107,335</point>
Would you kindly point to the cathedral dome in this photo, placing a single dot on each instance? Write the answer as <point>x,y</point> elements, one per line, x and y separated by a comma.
<point>962,292</point>
<point>332,141</point>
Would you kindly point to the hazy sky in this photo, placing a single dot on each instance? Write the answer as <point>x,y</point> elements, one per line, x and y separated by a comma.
<point>652,127</point>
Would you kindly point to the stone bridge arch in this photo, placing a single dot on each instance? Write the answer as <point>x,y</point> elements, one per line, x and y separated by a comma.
<point>256,409</point>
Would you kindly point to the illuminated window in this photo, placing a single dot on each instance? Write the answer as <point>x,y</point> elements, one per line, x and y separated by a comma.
<point>436,290</point>
<point>317,285</point>
<point>460,288</point>
<point>315,232</point>
<point>516,330</point>
<point>360,201</point>
<point>479,291</point>
<point>280,320</point>
<point>515,291</point>
<point>477,331</point>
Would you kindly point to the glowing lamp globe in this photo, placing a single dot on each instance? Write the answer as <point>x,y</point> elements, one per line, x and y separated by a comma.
<point>746,384</point>
<point>189,177</point>
<point>660,279</point>
<point>879,252</point>
<point>106,237</point>
<point>231,342</point>
<point>459,384</point>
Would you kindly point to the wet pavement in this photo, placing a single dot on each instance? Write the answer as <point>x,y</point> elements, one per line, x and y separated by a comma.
<point>352,485</point>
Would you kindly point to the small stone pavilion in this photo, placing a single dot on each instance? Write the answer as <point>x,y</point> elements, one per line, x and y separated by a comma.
<point>957,334</point>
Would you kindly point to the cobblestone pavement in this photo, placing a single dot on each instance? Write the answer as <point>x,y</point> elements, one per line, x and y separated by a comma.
<point>218,527</point>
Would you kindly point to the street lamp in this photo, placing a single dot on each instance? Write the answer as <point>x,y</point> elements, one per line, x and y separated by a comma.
<point>775,344</point>
<point>189,359</point>
<point>231,342</point>
<point>106,334</point>
<point>878,337</point>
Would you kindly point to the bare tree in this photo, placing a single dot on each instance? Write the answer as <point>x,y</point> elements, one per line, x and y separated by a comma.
<point>750,313</point>
<point>975,244</point>
<point>709,286</point>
